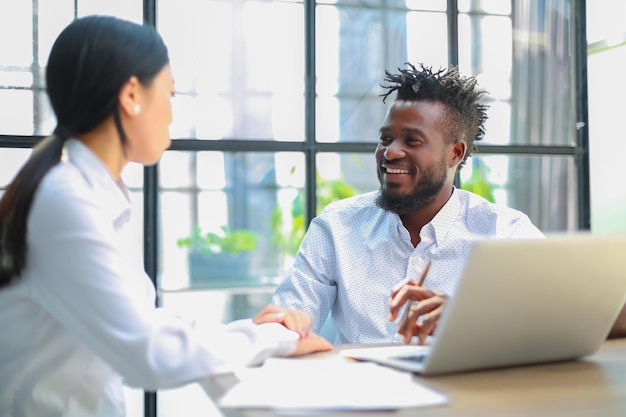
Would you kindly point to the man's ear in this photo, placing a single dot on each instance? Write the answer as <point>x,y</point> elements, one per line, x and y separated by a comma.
<point>457,153</point>
<point>129,96</point>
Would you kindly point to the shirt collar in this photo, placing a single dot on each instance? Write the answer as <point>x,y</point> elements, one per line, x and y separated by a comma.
<point>443,220</point>
<point>440,224</point>
<point>114,194</point>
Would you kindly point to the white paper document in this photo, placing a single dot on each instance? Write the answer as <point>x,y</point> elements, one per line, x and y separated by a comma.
<point>327,384</point>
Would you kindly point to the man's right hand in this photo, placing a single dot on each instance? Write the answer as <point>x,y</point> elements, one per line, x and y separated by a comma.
<point>430,305</point>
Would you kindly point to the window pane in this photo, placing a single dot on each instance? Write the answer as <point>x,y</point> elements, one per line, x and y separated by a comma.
<point>491,62</point>
<point>485,6</point>
<point>491,58</point>
<point>605,21</point>
<point>434,5</point>
<point>252,192</point>
<point>133,176</point>
<point>373,3</point>
<point>130,10</point>
<point>543,187</point>
<point>354,47</point>
<point>356,172</point>
<point>237,75</point>
<point>11,160</point>
<point>529,73</point>
<point>20,69</point>
<point>422,27</point>
<point>543,87</point>
<point>338,176</point>
<point>16,24</point>
<point>23,59</point>
<point>262,193</point>
<point>19,122</point>
<point>52,18</point>
<point>606,115</point>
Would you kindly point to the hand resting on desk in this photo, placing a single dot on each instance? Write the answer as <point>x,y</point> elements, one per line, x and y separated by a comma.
<point>299,322</point>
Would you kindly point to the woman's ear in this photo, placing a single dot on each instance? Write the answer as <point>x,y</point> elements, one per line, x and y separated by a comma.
<point>457,153</point>
<point>129,97</point>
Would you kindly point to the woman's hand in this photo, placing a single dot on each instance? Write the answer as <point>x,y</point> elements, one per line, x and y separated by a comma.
<point>295,320</point>
<point>430,305</point>
<point>299,322</point>
<point>311,343</point>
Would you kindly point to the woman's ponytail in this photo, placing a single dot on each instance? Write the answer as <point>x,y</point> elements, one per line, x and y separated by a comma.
<point>16,203</point>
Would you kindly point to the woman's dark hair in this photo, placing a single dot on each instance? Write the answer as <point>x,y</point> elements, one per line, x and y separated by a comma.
<point>466,116</point>
<point>90,61</point>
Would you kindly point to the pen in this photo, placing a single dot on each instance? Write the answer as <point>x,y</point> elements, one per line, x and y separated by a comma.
<point>404,321</point>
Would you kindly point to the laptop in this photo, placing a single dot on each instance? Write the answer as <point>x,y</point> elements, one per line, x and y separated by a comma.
<point>521,302</point>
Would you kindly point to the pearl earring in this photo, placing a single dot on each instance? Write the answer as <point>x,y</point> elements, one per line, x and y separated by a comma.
<point>136,109</point>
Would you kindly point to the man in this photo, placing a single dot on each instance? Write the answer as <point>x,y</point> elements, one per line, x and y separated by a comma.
<point>360,250</point>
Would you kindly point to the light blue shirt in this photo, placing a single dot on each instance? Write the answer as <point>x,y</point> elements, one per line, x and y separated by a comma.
<point>354,253</point>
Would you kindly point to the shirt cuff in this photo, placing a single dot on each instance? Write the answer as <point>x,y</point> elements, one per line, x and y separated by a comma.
<point>267,339</point>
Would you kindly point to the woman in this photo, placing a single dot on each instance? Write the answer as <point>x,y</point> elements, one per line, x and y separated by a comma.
<point>77,315</point>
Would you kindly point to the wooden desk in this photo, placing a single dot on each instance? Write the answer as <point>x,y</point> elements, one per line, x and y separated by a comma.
<point>590,387</point>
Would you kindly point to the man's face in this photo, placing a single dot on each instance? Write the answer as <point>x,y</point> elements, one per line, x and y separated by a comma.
<point>412,157</point>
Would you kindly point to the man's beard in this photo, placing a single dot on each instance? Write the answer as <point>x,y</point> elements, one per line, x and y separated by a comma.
<point>424,192</point>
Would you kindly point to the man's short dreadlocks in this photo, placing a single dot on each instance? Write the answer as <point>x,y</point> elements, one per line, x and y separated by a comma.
<point>466,116</point>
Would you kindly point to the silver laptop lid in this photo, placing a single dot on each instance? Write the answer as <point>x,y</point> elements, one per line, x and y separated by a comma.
<point>530,301</point>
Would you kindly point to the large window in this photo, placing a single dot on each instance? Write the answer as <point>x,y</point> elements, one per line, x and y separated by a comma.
<point>271,107</point>
<point>277,111</point>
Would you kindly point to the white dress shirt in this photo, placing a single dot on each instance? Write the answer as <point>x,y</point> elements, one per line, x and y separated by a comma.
<point>81,318</point>
<point>354,253</point>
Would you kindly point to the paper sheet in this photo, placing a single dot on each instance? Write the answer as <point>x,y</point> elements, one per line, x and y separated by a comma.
<point>327,384</point>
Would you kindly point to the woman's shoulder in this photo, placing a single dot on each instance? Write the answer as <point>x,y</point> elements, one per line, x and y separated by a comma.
<point>63,183</point>
<point>63,197</point>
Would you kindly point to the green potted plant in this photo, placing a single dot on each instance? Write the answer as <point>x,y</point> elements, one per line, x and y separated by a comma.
<point>219,256</point>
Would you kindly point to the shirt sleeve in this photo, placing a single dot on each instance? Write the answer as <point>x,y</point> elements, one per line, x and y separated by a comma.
<point>310,285</point>
<point>84,281</point>
<point>523,228</point>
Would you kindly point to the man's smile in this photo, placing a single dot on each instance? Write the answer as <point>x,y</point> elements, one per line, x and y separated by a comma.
<point>396,171</point>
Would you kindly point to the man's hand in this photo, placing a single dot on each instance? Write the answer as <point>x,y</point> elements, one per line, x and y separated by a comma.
<point>430,305</point>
